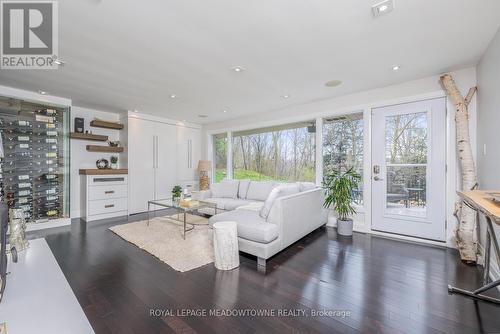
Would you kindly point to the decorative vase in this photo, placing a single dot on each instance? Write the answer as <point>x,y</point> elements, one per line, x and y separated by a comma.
<point>17,237</point>
<point>114,165</point>
<point>176,201</point>
<point>344,227</point>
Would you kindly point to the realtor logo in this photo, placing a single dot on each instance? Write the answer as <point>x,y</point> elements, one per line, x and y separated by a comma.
<point>29,33</point>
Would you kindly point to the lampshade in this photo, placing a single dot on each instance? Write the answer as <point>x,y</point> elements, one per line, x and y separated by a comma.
<point>204,166</point>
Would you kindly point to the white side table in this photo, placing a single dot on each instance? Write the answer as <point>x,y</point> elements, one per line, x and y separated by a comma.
<point>226,245</point>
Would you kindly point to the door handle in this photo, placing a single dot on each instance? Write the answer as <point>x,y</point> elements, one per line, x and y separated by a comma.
<point>109,192</point>
<point>376,178</point>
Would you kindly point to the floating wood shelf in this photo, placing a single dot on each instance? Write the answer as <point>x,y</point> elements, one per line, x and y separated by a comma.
<point>95,171</point>
<point>106,125</point>
<point>99,148</point>
<point>88,136</point>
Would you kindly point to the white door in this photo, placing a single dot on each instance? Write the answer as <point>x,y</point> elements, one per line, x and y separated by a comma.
<point>408,172</point>
<point>188,153</point>
<point>165,161</point>
<point>140,164</point>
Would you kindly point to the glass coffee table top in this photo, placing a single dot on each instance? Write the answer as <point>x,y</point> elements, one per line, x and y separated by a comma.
<point>189,205</point>
<point>183,208</point>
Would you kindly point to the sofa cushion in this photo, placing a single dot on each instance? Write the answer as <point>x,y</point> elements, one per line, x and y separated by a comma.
<point>280,191</point>
<point>233,204</point>
<point>259,190</point>
<point>225,189</point>
<point>305,186</point>
<point>250,225</point>
<point>219,201</point>
<point>243,189</point>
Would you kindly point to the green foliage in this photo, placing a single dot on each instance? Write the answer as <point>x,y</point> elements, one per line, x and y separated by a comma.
<point>176,191</point>
<point>114,159</point>
<point>339,186</point>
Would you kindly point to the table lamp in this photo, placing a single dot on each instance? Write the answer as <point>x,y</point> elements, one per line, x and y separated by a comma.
<point>204,166</point>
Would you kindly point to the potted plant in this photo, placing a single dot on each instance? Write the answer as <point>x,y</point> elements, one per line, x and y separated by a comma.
<point>339,187</point>
<point>114,162</point>
<point>176,195</point>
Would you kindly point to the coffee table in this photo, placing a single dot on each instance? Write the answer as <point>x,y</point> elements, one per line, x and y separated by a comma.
<point>194,206</point>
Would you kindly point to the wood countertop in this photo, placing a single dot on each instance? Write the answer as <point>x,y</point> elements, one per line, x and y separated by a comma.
<point>482,201</point>
<point>96,171</point>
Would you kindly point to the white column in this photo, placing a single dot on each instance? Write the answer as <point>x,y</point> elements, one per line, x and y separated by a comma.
<point>367,168</point>
<point>319,151</point>
<point>229,152</point>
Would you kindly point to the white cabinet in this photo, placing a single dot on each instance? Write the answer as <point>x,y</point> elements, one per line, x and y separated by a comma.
<point>152,152</point>
<point>188,153</point>
<point>104,196</point>
<point>165,169</point>
<point>141,151</point>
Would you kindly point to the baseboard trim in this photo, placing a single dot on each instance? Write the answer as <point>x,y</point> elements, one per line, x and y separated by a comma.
<point>49,224</point>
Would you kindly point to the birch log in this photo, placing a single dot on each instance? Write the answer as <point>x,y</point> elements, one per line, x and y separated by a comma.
<point>465,232</point>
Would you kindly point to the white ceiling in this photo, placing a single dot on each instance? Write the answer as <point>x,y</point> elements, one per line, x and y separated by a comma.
<point>129,54</point>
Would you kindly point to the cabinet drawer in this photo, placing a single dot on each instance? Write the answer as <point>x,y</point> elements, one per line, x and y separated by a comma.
<point>107,206</point>
<point>100,180</point>
<point>108,191</point>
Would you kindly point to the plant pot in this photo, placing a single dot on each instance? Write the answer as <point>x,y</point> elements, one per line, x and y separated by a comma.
<point>114,166</point>
<point>344,227</point>
<point>176,201</point>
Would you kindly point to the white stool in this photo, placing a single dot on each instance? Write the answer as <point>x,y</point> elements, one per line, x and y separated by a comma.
<point>226,245</point>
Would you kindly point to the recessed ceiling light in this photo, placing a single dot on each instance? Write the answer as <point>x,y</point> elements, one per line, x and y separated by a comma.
<point>286,96</point>
<point>333,83</point>
<point>136,110</point>
<point>183,120</point>
<point>382,8</point>
<point>58,61</point>
<point>237,69</point>
<point>202,116</point>
<point>224,111</point>
<point>396,68</point>
<point>42,92</point>
<point>173,96</point>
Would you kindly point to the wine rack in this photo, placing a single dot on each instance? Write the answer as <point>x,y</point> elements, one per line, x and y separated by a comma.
<point>34,170</point>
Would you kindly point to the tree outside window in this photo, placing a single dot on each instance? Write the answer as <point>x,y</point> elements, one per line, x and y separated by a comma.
<point>343,146</point>
<point>283,153</point>
<point>220,156</point>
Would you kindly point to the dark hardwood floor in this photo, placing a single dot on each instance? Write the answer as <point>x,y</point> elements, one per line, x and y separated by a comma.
<point>387,286</point>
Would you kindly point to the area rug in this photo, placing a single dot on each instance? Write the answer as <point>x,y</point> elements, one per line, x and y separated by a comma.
<point>163,239</point>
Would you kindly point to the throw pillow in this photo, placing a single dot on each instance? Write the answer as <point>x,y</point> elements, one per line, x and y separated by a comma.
<point>279,191</point>
<point>258,190</point>
<point>225,189</point>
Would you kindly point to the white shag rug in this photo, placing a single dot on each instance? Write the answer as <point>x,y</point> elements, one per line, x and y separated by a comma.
<point>163,239</point>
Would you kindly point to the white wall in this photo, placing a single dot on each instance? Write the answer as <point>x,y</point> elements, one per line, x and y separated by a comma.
<point>405,92</point>
<point>80,158</point>
<point>488,126</point>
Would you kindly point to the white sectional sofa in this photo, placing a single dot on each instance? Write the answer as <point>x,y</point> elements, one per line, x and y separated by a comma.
<point>270,216</point>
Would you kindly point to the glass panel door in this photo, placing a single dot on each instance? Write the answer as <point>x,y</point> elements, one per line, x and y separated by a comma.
<point>406,163</point>
<point>408,174</point>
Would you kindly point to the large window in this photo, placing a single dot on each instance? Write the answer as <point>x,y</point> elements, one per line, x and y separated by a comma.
<point>282,153</point>
<point>343,146</point>
<point>220,156</point>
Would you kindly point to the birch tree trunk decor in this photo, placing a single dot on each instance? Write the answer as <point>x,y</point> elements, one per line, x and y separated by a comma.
<point>465,232</point>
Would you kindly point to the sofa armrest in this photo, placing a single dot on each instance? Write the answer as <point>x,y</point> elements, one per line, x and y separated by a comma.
<point>201,195</point>
<point>297,215</point>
